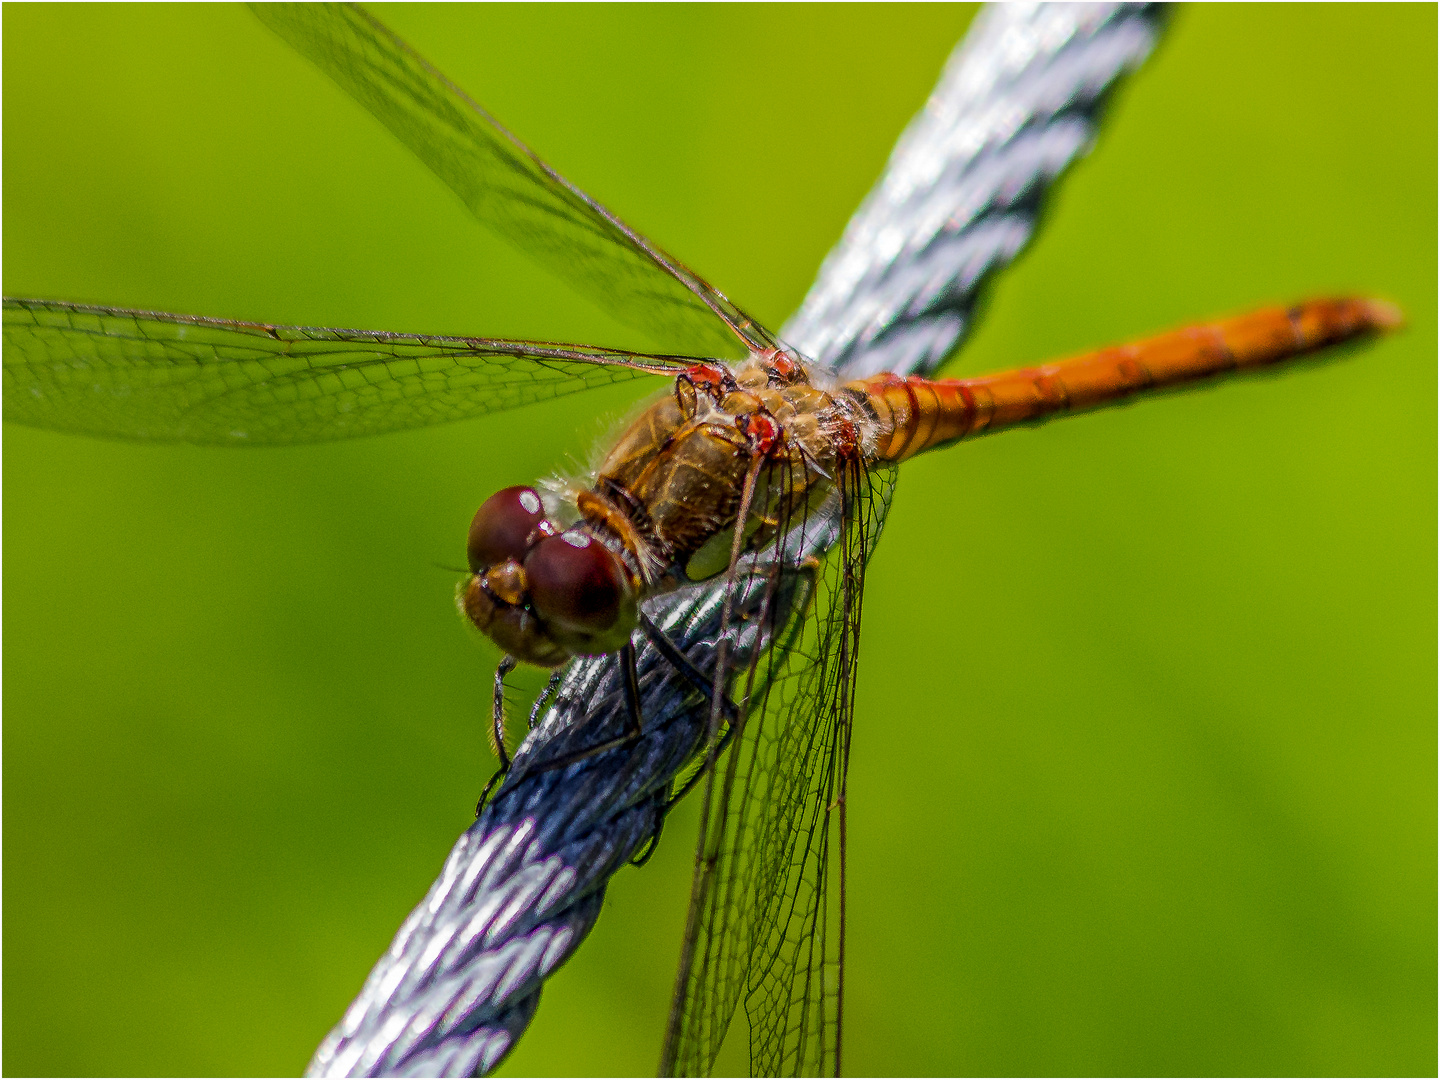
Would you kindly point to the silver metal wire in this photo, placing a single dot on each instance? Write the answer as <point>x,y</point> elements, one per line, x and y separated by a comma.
<point>1018,102</point>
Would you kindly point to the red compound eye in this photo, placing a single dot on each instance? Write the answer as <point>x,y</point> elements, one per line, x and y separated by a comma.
<point>576,580</point>
<point>503,527</point>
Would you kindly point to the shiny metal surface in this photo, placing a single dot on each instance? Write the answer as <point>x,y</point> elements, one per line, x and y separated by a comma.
<point>1018,102</point>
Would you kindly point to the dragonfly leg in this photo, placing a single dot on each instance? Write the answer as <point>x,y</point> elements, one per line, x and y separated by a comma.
<point>689,785</point>
<point>507,665</point>
<point>497,730</point>
<point>630,687</point>
<point>544,698</point>
<point>495,778</point>
<point>681,663</point>
<point>654,842</point>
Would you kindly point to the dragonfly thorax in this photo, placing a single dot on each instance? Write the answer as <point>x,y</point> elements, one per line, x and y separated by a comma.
<point>663,509</point>
<point>679,471</point>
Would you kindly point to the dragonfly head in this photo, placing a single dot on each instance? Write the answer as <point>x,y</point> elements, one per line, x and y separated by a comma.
<point>542,594</point>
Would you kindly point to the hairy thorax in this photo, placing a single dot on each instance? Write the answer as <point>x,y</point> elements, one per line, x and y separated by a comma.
<point>673,483</point>
<point>664,507</point>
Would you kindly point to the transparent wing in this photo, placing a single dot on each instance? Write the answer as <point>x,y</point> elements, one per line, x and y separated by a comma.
<point>765,919</point>
<point>181,378</point>
<point>897,293</point>
<point>509,188</point>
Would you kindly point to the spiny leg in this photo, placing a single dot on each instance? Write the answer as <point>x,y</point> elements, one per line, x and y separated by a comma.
<point>630,687</point>
<point>497,730</point>
<point>694,779</point>
<point>681,663</point>
<point>543,699</point>
<point>698,681</point>
<point>809,570</point>
<point>654,841</point>
<point>712,689</point>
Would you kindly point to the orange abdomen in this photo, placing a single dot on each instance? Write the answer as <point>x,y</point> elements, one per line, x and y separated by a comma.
<point>916,414</point>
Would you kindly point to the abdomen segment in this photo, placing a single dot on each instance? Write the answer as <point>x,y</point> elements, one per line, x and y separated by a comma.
<point>916,414</point>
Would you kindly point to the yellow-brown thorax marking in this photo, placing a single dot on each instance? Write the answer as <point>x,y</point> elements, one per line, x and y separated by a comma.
<point>671,487</point>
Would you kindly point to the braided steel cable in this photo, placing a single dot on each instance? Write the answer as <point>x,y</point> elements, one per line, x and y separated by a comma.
<point>1018,102</point>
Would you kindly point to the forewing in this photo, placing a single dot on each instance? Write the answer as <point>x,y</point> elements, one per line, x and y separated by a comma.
<point>178,378</point>
<point>509,188</point>
<point>898,293</point>
<point>766,904</point>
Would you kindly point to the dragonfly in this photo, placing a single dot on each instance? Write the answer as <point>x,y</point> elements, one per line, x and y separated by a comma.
<point>752,467</point>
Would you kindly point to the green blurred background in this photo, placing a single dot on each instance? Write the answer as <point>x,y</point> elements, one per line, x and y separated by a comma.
<point>1144,775</point>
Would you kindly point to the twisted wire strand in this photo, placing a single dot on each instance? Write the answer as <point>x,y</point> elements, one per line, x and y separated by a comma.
<point>1017,103</point>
